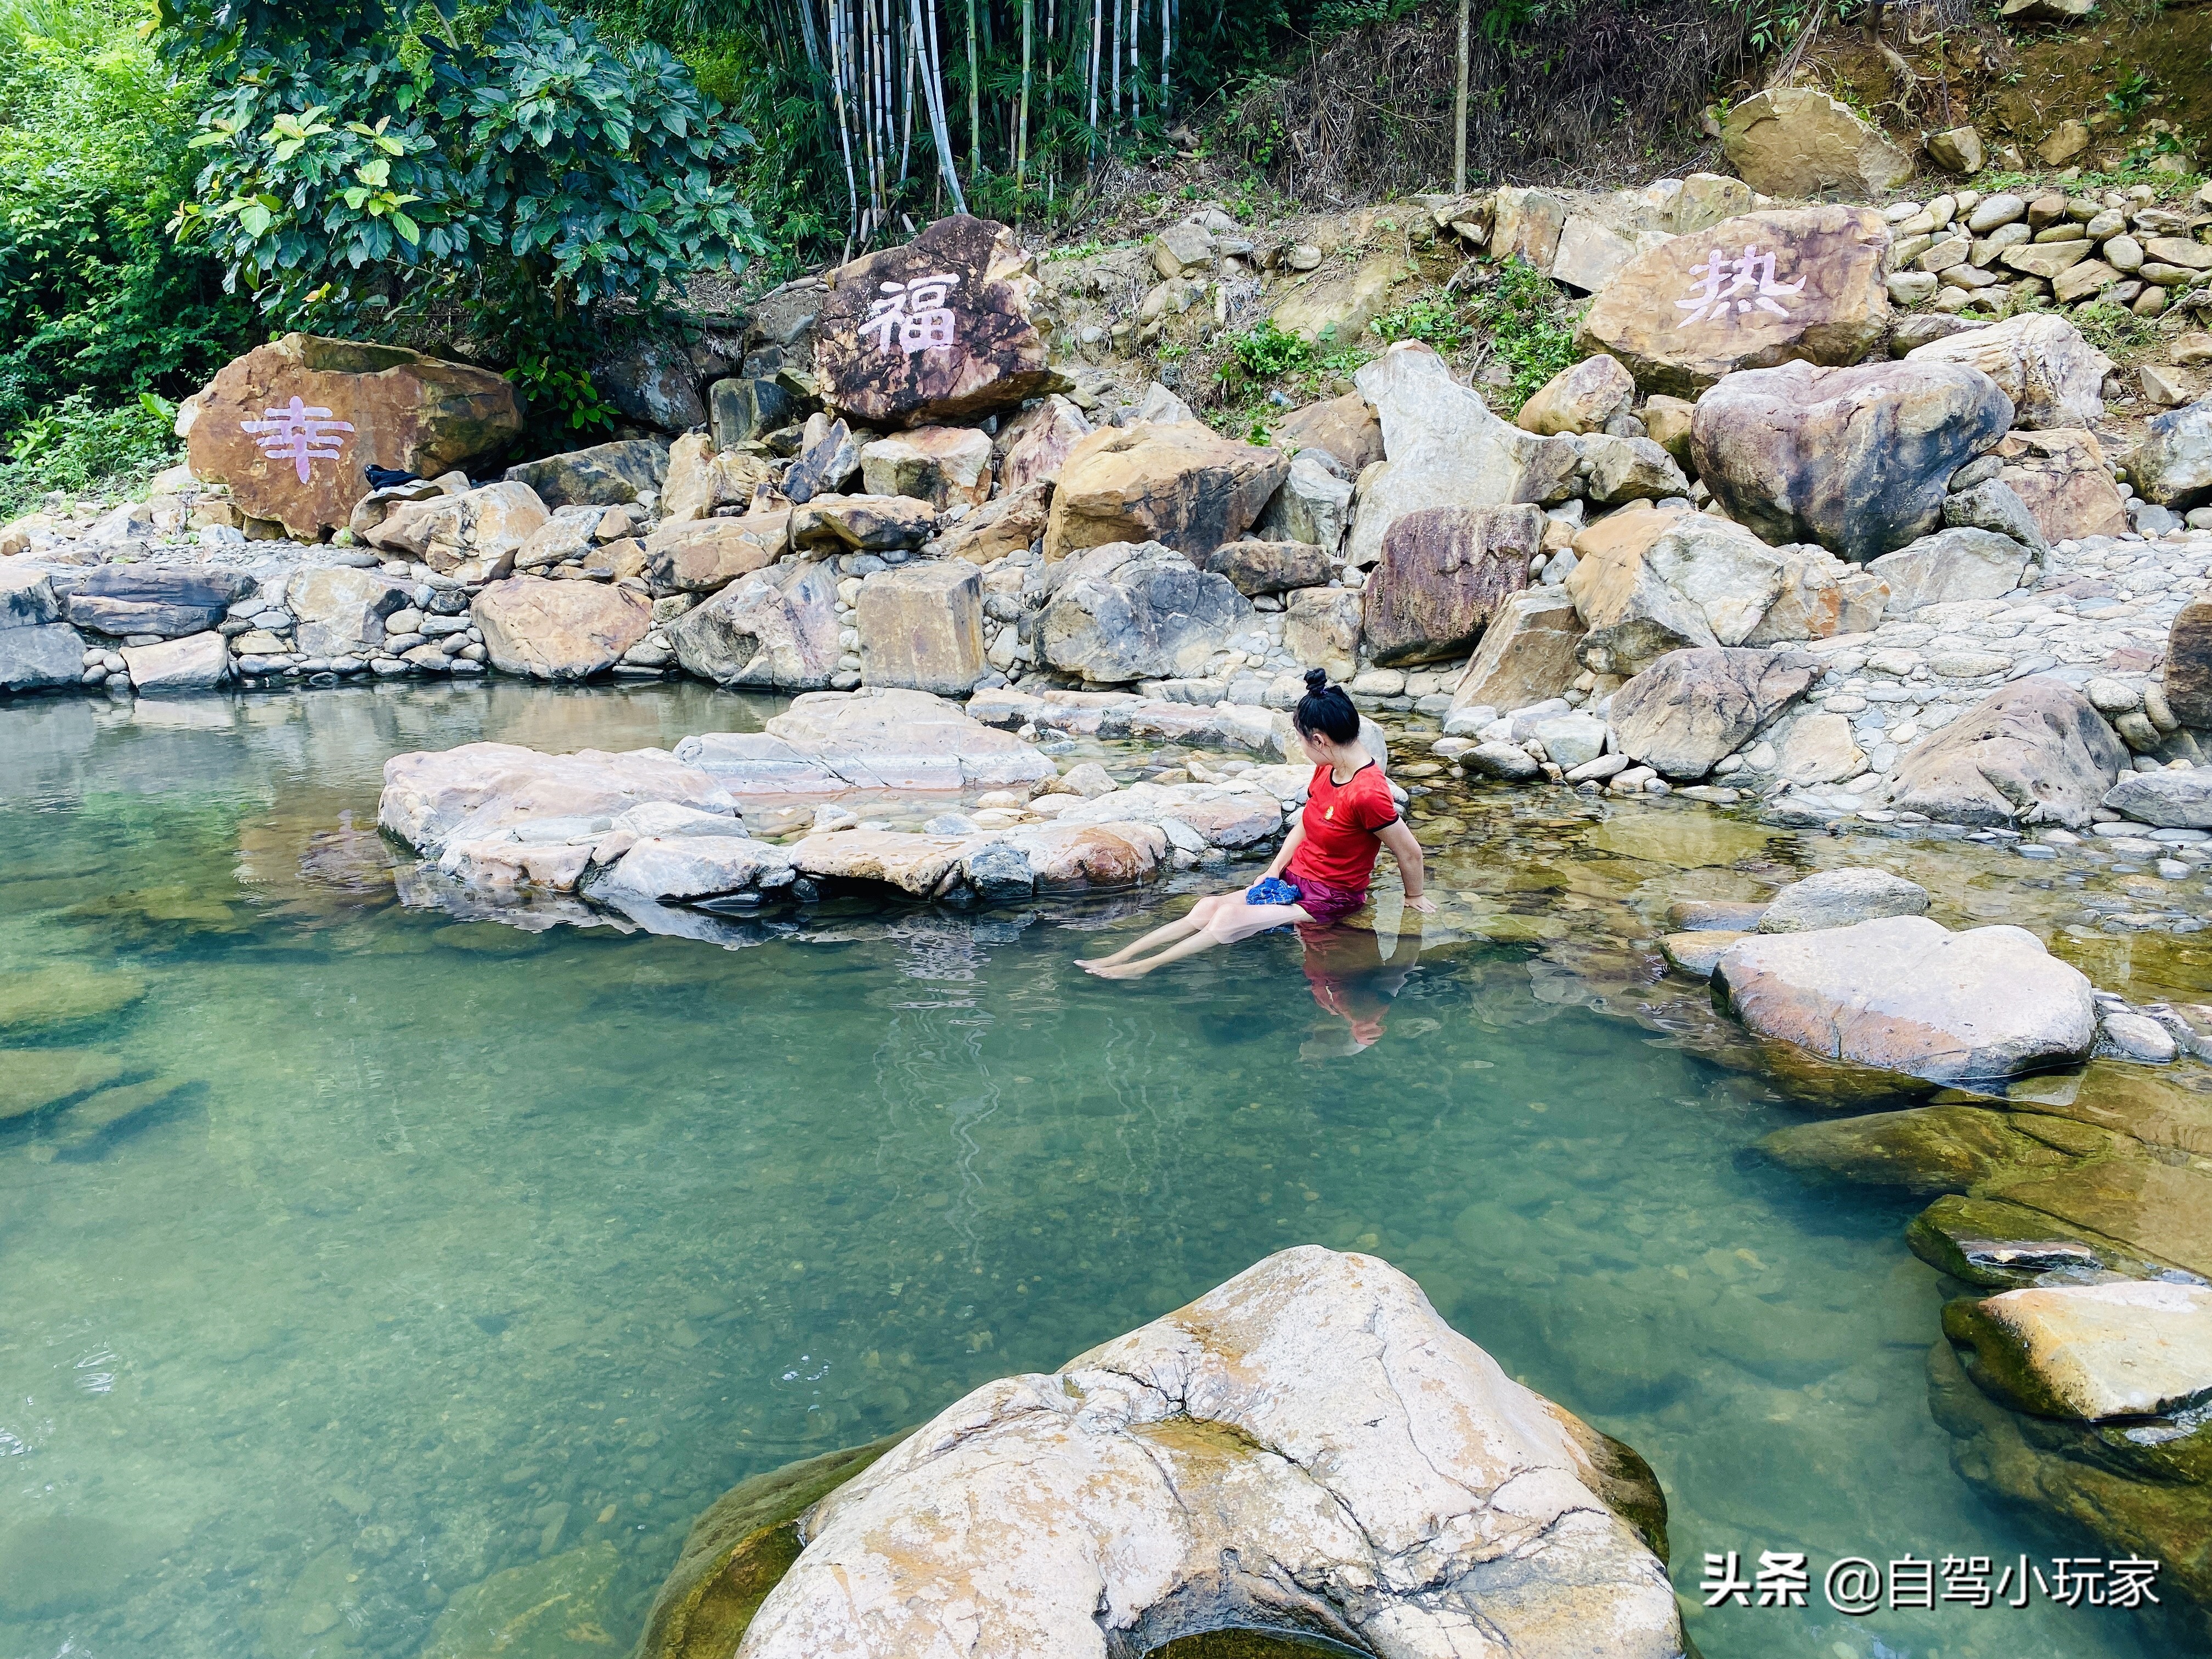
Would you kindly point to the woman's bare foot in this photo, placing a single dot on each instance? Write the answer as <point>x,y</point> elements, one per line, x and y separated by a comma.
<point>1118,969</point>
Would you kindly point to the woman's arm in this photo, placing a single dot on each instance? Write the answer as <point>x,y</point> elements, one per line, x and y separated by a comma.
<point>1281,861</point>
<point>1408,851</point>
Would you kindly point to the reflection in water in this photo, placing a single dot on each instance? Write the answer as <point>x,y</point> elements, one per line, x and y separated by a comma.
<point>1353,979</point>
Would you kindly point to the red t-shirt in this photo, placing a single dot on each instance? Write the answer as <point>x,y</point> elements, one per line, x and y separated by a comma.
<point>1341,820</point>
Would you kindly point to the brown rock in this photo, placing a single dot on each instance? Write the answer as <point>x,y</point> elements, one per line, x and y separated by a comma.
<point>1854,459</point>
<point>1444,572</point>
<point>2035,752</point>
<point>1798,141</point>
<point>894,349</point>
<point>943,465</point>
<point>1254,568</point>
<point>837,524</point>
<point>1038,442</point>
<point>1182,483</point>
<point>1667,423</point>
<point>1526,224</point>
<point>700,479</point>
<point>1012,522</point>
<point>774,627</point>
<point>1701,581</point>
<point>1346,427</point>
<point>2188,664</point>
<point>559,630</point>
<point>358,406</point>
<point>2066,481</point>
<point>1321,628</point>
<point>486,524</point>
<point>705,556</point>
<point>1690,708</point>
<point>921,628</point>
<point>1527,653</point>
<point>1581,399</point>
<point>1678,326</point>
<point>1336,307</point>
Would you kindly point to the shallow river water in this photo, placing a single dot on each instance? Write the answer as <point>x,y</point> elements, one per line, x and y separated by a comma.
<point>452,1269</point>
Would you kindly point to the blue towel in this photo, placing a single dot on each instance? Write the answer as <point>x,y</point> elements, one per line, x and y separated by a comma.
<point>1272,890</point>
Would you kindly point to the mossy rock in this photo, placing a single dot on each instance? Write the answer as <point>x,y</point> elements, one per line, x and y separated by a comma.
<point>738,1551</point>
<point>1934,1149</point>
<point>551,1609</point>
<point>111,1113</point>
<point>63,994</point>
<point>32,1080</point>
<point>2157,1209</point>
<point>2003,1247</point>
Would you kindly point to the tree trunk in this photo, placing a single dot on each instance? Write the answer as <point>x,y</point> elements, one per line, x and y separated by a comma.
<point>1459,110</point>
<point>1022,143</point>
<point>974,103</point>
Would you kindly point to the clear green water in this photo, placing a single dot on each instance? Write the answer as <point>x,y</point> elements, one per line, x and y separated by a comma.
<point>460,1249</point>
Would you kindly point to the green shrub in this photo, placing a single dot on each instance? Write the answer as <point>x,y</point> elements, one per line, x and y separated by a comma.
<point>84,447</point>
<point>1265,350</point>
<point>1529,325</point>
<point>1434,321</point>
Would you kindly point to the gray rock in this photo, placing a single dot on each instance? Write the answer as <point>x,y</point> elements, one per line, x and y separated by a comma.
<point>775,628</point>
<point>2136,1036</point>
<point>1629,469</point>
<point>1508,761</point>
<point>1571,740</point>
<point>1134,610</point>
<point>27,598</point>
<point>197,662</point>
<point>170,600</point>
<point>1256,567</point>
<point>1313,505</point>
<point>2172,465</point>
<point>1838,898</point>
<point>2035,752</point>
<point>605,474</point>
<point>1991,504</point>
<point>1690,708</point>
<point>1952,565</point>
<point>1905,994</point>
<point>2175,800</point>
<point>40,655</point>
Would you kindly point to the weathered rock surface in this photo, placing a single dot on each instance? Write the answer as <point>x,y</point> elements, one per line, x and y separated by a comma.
<point>1691,707</point>
<point>1320,629</point>
<point>1682,315</point>
<point>743,407</point>
<point>1347,426</point>
<point>1092,1511</point>
<point>863,524</point>
<point>2172,465</point>
<point>36,648</point>
<point>943,465</point>
<point>1950,565</point>
<point>774,627</point>
<point>2054,377</point>
<point>1135,610</point>
<point>2064,477</point>
<point>1038,442</point>
<point>1854,459</point>
<point>359,406</point>
<point>2032,752</point>
<point>169,599</point>
<point>1798,141</point>
<point>1010,524</point>
<point>2172,800</point>
<point>1838,898</point>
<point>485,524</point>
<point>432,797</point>
<point>2130,1349</point>
<point>1697,581</point>
<point>1905,994</point>
<point>2188,664</point>
<point>1254,568</point>
<point>554,630</point>
<point>1527,653</point>
<point>828,459</point>
<point>1820,597</point>
<point>1444,572</point>
<point>1994,505</point>
<point>707,555</point>
<point>1336,307</point>
<point>340,611</point>
<point>701,478</point>
<point>194,663</point>
<point>680,869</point>
<point>1581,399</point>
<point>836,743</point>
<point>934,332</point>
<point>1181,483</point>
<point>1313,505</point>
<point>921,628</point>
<point>605,474</point>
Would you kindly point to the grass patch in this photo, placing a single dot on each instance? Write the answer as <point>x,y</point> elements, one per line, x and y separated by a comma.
<point>1531,328</point>
<point>82,450</point>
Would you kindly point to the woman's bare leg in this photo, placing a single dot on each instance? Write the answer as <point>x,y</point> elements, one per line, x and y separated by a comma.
<point>1227,928</point>
<point>1189,922</point>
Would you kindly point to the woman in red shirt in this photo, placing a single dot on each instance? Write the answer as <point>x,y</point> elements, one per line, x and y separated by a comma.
<point>1321,873</point>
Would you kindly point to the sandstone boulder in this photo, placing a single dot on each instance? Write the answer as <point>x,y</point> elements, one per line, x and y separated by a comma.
<point>1254,568</point>
<point>1854,459</point>
<point>2172,800</point>
<point>1839,898</point>
<point>707,556</point>
<point>1444,572</point>
<point>483,525</point>
<point>1314,505</point>
<point>1821,597</point>
<point>340,611</point>
<point>934,332</point>
<point>701,478</point>
<point>1182,484</point>
<point>1581,399</point>
<point>864,524</point>
<point>1370,1476</point>
<point>1134,610</point>
<point>943,465</point>
<point>876,739</point>
<point>921,628</point>
<point>1527,653</point>
<point>1445,448</point>
<point>194,663</point>
<point>1007,525</point>
<point>291,425</point>
<point>2054,377</point>
<point>2035,752</point>
<point>1798,142</point>
<point>1907,996</point>
<point>559,630</point>
<point>776,628</point>
<point>743,408</point>
<point>1761,288</point>
<point>169,600</point>
<point>1689,708</point>
<point>1038,442</point>
<point>1697,581</point>
<point>2173,464</point>
<point>432,797</point>
<point>828,459</point>
<point>2061,477</point>
<point>1320,629</point>
<point>1346,427</point>
<point>1618,470</point>
<point>1949,566</point>
<point>1335,307</point>
<point>605,474</point>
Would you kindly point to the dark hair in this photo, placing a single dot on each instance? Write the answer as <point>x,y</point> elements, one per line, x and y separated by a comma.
<point>1325,711</point>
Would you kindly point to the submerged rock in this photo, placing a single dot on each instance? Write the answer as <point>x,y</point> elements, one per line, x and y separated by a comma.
<point>1837,898</point>
<point>1307,1448</point>
<point>432,797</point>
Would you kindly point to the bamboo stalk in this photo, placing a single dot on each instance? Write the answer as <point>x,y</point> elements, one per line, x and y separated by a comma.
<point>1022,143</point>
<point>1096,7</point>
<point>844,131</point>
<point>934,89</point>
<point>1459,110</point>
<point>974,103</point>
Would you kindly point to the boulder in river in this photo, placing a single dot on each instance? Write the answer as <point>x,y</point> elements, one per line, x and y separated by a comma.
<point>1647,582</point>
<point>2128,1349</point>
<point>434,796</point>
<point>36,648</point>
<point>1690,708</point>
<point>1857,459</point>
<point>1254,568</point>
<point>337,609</point>
<point>1838,898</point>
<point>484,524</point>
<point>1131,612</point>
<point>1907,996</point>
<point>1307,1449</point>
<point>877,738</point>
<point>554,630</point>
<point>2035,752</point>
<point>933,332</point>
<point>2062,477</point>
<point>169,599</point>
<point>1179,483</point>
<point>2188,664</point>
<point>194,663</point>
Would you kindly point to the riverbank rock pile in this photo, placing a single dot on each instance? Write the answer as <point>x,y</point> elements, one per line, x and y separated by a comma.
<point>1307,1449</point>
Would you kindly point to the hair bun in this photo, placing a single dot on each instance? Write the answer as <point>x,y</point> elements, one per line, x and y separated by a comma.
<point>1316,679</point>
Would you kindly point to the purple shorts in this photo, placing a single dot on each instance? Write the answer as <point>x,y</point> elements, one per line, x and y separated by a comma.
<point>1324,903</point>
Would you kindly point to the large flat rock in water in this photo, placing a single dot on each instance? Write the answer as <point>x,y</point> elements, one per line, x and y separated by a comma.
<point>877,738</point>
<point>2130,1349</point>
<point>1905,994</point>
<point>432,797</point>
<point>1307,1448</point>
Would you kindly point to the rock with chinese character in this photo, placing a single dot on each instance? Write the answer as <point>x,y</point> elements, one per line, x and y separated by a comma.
<point>1368,1471</point>
<point>2033,752</point>
<point>776,628</point>
<point>1857,458</point>
<point>1445,448</point>
<point>1131,612</point>
<point>2054,377</point>
<point>554,630</point>
<point>1181,483</point>
<point>1765,288</point>
<point>605,474</point>
<point>1444,572</point>
<point>934,332</point>
<point>921,626</point>
<point>291,425</point>
<point>1689,708</point>
<point>1798,142</point>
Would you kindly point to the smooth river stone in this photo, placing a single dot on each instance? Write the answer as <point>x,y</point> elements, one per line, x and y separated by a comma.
<point>63,992</point>
<point>2130,1349</point>
<point>32,1079</point>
